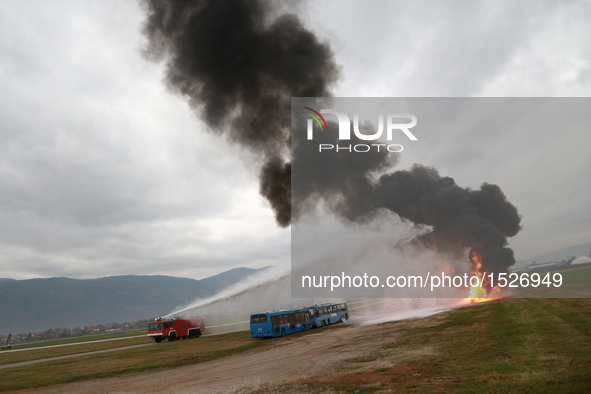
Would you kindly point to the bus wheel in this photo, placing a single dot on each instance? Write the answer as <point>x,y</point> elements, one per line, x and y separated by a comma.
<point>283,332</point>
<point>172,337</point>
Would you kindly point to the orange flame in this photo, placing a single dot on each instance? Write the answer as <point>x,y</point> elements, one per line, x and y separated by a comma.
<point>484,292</point>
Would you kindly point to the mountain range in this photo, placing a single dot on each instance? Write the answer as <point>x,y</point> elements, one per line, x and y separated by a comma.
<point>40,304</point>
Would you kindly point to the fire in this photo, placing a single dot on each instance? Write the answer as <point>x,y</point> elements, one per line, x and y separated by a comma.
<point>484,292</point>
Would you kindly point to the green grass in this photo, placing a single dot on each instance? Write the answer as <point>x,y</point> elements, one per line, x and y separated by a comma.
<point>575,284</point>
<point>513,345</point>
<point>518,345</point>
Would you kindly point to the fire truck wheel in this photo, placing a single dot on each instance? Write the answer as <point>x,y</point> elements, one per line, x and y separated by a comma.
<point>172,337</point>
<point>158,340</point>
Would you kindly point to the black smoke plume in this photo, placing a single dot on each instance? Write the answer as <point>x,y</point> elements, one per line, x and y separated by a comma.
<point>239,70</point>
<point>239,67</point>
<point>462,218</point>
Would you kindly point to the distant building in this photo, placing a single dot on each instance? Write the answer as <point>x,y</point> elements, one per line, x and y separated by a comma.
<point>581,260</point>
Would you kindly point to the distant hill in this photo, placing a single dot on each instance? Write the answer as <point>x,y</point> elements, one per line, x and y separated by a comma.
<point>40,304</point>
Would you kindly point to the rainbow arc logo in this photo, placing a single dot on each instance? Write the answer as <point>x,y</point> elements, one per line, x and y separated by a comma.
<point>315,116</point>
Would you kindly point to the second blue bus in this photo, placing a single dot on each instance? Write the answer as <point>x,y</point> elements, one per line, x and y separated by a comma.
<point>276,324</point>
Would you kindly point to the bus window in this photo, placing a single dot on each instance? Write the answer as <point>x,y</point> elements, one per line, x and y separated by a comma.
<point>258,319</point>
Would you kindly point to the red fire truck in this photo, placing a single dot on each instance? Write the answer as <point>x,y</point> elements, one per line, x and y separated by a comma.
<point>176,328</point>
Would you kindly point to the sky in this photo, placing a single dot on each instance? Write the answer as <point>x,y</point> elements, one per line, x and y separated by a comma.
<point>103,171</point>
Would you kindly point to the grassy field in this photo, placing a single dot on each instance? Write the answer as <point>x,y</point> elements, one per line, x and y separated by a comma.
<point>575,283</point>
<point>510,345</point>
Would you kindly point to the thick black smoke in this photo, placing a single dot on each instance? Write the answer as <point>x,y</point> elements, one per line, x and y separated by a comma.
<point>462,218</point>
<point>239,68</point>
<point>353,184</point>
<point>239,71</point>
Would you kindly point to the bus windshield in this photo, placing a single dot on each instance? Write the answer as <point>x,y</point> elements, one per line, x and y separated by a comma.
<point>155,327</point>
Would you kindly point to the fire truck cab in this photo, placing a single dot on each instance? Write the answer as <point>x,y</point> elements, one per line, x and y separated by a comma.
<point>176,328</point>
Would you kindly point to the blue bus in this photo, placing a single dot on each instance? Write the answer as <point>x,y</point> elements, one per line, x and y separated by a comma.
<point>276,324</point>
<point>325,315</point>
